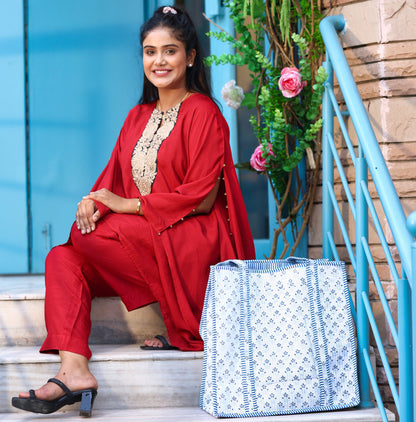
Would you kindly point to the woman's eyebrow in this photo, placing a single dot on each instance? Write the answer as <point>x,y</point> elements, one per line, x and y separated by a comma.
<point>163,46</point>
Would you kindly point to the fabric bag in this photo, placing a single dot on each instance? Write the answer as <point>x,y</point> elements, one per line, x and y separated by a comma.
<point>278,338</point>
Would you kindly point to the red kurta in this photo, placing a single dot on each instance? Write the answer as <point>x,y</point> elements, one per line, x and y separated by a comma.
<point>171,252</point>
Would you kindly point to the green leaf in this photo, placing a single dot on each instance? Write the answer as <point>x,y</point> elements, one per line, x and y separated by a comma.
<point>249,100</point>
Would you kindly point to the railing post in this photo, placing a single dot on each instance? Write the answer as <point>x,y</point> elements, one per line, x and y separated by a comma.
<point>404,299</point>
<point>327,163</point>
<point>411,226</point>
<point>361,227</point>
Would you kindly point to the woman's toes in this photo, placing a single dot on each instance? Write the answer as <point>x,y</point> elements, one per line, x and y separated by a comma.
<point>24,395</point>
<point>49,391</point>
<point>154,342</point>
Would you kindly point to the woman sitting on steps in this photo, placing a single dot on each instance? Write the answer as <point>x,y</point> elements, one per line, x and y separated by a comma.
<point>166,207</point>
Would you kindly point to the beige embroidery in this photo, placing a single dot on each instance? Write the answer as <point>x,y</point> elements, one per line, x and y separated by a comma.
<point>144,157</point>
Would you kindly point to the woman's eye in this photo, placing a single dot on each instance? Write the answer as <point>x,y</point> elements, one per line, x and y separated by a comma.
<point>170,52</point>
<point>148,52</point>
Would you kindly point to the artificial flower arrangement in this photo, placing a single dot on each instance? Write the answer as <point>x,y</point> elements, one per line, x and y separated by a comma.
<point>287,81</point>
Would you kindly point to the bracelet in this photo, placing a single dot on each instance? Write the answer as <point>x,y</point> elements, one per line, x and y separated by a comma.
<point>139,207</point>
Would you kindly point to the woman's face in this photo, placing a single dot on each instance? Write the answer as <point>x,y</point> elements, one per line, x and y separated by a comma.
<point>165,60</point>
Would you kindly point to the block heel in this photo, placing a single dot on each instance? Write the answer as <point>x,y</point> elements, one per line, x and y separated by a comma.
<point>87,402</point>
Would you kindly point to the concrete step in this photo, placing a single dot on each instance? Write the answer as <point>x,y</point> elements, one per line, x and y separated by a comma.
<point>133,385</point>
<point>128,377</point>
<point>194,414</point>
<point>22,316</point>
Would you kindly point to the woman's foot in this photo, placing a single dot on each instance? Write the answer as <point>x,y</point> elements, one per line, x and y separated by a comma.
<point>74,373</point>
<point>158,342</point>
<point>51,391</point>
<point>153,342</point>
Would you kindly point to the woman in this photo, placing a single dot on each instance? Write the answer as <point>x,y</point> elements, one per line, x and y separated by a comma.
<point>165,208</point>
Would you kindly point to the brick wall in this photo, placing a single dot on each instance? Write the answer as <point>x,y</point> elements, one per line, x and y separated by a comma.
<point>380,46</point>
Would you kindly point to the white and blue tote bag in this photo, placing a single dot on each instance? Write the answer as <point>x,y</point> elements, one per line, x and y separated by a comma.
<point>278,339</point>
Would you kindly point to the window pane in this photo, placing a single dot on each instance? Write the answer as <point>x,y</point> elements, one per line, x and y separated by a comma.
<point>195,8</point>
<point>253,185</point>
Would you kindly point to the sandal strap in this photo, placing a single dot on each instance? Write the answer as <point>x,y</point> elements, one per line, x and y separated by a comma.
<point>163,340</point>
<point>66,390</point>
<point>32,394</point>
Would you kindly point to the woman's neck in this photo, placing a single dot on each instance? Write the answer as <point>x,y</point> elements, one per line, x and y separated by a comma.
<point>169,99</point>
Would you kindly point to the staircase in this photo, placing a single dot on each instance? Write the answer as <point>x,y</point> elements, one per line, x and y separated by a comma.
<point>135,385</point>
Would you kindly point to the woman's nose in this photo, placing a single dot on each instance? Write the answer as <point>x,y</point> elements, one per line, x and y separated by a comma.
<point>160,58</point>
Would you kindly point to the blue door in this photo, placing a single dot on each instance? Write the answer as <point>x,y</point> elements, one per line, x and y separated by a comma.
<point>83,78</point>
<point>13,182</point>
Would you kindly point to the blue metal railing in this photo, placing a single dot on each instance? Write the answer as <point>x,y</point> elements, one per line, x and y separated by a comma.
<point>367,158</point>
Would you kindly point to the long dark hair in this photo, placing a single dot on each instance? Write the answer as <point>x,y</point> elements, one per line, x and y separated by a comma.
<point>184,30</point>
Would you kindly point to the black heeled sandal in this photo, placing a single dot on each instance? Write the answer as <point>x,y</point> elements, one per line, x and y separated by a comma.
<point>35,405</point>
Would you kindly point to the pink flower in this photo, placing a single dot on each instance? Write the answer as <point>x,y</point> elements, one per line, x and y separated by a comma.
<point>257,161</point>
<point>290,82</point>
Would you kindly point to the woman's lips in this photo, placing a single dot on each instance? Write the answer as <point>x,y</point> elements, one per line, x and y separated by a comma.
<point>161,71</point>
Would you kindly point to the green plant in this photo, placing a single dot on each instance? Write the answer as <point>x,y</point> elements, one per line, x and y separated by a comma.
<point>279,42</point>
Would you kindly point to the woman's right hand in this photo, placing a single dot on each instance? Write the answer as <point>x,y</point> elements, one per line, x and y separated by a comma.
<point>87,215</point>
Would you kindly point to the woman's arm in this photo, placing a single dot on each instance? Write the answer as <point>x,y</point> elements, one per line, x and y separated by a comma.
<point>206,205</point>
<point>130,205</point>
<point>115,202</point>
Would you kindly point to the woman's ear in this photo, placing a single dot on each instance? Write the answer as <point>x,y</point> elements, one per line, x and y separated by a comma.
<point>191,58</point>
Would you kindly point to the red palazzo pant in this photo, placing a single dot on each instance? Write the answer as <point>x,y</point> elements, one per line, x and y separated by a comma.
<point>93,265</point>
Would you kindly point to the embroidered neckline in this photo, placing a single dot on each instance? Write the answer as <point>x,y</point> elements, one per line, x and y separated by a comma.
<point>144,156</point>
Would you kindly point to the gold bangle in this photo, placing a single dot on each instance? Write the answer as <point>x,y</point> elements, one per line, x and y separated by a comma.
<point>139,207</point>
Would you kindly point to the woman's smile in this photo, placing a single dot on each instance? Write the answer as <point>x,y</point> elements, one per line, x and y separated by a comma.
<point>161,72</point>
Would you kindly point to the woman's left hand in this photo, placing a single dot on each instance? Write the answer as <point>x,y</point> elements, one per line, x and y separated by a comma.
<point>111,200</point>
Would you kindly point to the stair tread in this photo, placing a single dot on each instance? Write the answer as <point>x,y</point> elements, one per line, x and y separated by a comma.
<point>110,393</point>
<point>23,287</point>
<point>194,414</point>
<point>101,352</point>
<point>128,376</point>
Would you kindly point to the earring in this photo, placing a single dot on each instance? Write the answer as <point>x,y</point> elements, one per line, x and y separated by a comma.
<point>190,65</point>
